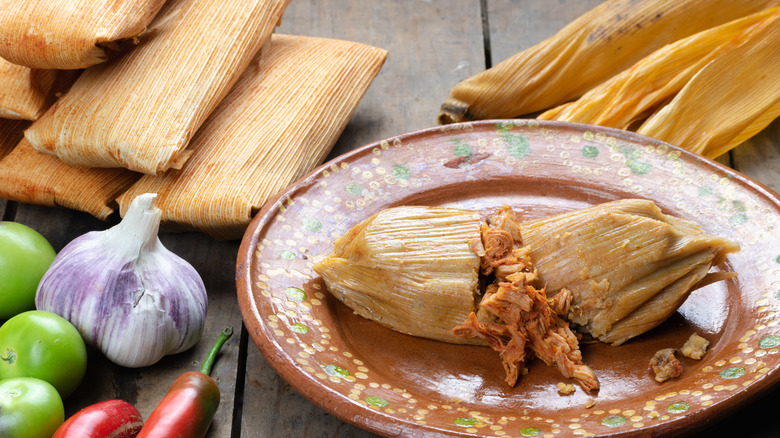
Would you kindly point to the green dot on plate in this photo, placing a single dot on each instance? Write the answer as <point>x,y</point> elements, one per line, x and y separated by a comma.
<point>732,373</point>
<point>287,254</point>
<point>377,401</point>
<point>613,420</point>
<point>738,219</point>
<point>335,371</point>
<point>401,172</point>
<point>770,341</point>
<point>590,152</point>
<point>530,431</point>
<point>461,149</point>
<point>354,189</point>
<point>295,294</point>
<point>465,422</point>
<point>705,191</point>
<point>299,328</point>
<point>676,408</point>
<point>312,224</point>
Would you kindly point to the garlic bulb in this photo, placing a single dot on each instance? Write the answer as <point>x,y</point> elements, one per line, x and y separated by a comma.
<point>125,292</point>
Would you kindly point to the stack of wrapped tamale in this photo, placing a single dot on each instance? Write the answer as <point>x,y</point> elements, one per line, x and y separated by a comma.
<point>699,74</point>
<point>191,99</point>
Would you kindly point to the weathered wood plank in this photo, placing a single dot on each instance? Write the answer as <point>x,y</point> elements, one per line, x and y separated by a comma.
<point>145,387</point>
<point>432,45</point>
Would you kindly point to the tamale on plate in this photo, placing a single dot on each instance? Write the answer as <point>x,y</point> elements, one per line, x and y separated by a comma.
<point>614,270</point>
<point>140,110</point>
<point>69,34</point>
<point>279,122</point>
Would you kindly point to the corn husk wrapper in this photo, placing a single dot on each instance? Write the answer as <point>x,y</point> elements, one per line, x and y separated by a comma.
<point>11,132</point>
<point>591,49</point>
<point>69,34</point>
<point>410,269</point>
<point>627,265</point>
<point>634,93</point>
<point>739,92</point>
<point>278,123</point>
<point>141,110</point>
<point>34,178</point>
<point>24,92</point>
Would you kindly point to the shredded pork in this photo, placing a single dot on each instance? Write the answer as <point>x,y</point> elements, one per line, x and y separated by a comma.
<point>515,317</point>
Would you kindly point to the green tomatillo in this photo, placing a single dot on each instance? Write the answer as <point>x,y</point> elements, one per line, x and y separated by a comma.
<point>29,408</point>
<point>25,255</point>
<point>43,345</point>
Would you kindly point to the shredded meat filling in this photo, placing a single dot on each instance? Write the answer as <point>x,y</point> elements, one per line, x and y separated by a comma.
<point>515,317</point>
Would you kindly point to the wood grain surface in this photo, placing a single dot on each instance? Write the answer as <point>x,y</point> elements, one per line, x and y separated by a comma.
<point>432,44</point>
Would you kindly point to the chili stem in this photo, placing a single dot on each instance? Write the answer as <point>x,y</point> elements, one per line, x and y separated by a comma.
<point>212,356</point>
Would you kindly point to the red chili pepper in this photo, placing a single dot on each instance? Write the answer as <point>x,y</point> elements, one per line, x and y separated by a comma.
<point>189,406</point>
<point>106,419</point>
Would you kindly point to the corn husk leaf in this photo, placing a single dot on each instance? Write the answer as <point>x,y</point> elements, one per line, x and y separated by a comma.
<point>739,91</point>
<point>591,49</point>
<point>140,110</point>
<point>35,178</point>
<point>69,34</point>
<point>26,93</point>
<point>636,92</point>
<point>389,268</point>
<point>278,122</point>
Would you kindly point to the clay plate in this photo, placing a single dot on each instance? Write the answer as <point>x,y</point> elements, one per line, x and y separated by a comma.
<point>398,385</point>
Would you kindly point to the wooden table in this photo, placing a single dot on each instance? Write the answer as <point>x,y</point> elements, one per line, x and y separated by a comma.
<point>432,44</point>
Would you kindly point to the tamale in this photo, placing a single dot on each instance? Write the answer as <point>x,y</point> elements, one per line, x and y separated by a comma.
<point>26,93</point>
<point>591,49</point>
<point>69,34</point>
<point>279,121</point>
<point>637,91</point>
<point>411,269</point>
<point>34,178</point>
<point>140,110</point>
<point>627,265</point>
<point>739,91</point>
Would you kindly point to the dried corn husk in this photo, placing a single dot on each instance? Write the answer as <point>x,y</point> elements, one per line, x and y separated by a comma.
<point>140,110</point>
<point>632,94</point>
<point>35,178</point>
<point>69,34</point>
<point>627,266</point>
<point>588,51</point>
<point>391,268</point>
<point>279,121</point>
<point>739,91</point>
<point>11,132</point>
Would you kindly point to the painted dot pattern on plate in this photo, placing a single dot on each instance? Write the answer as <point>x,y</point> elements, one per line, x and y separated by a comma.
<point>306,226</point>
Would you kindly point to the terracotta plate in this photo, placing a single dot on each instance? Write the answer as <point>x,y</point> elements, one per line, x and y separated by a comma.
<point>394,384</point>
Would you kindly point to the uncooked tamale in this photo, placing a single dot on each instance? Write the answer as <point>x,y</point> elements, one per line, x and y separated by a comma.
<point>412,269</point>
<point>69,34</point>
<point>26,93</point>
<point>635,92</point>
<point>739,92</point>
<point>627,266</point>
<point>35,178</point>
<point>139,111</point>
<point>591,49</point>
<point>279,121</point>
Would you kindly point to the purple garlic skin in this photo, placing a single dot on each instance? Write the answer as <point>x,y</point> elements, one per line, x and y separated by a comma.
<point>126,293</point>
